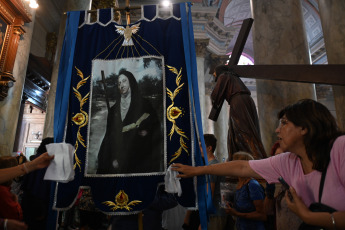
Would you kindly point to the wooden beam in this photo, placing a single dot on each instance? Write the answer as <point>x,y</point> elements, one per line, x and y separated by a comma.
<point>320,74</point>
<point>241,41</point>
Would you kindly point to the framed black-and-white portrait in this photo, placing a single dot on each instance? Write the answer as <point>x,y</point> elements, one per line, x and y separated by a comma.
<point>127,117</point>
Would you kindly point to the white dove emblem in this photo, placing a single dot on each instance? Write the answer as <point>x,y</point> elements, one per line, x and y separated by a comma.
<point>127,33</point>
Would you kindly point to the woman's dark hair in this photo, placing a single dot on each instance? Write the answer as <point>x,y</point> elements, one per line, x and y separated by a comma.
<point>132,82</point>
<point>322,129</point>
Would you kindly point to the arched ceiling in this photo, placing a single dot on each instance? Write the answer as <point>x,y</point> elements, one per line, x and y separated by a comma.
<point>235,11</point>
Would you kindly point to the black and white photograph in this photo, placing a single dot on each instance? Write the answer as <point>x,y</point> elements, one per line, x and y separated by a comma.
<point>126,131</point>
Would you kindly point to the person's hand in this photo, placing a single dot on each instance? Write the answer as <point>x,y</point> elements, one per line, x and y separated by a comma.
<point>16,225</point>
<point>186,170</point>
<point>229,210</point>
<point>40,162</point>
<point>296,205</point>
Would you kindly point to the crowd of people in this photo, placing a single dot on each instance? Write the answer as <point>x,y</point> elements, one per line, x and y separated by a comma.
<point>309,155</point>
<point>312,145</point>
<point>11,212</point>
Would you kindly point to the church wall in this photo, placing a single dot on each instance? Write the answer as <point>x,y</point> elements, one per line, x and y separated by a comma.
<point>38,45</point>
<point>10,106</point>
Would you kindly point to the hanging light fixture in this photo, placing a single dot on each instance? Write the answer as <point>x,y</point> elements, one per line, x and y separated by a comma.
<point>166,3</point>
<point>33,4</point>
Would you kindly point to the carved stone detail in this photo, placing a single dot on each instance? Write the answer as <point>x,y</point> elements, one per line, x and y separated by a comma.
<point>215,60</point>
<point>104,4</point>
<point>200,46</point>
<point>18,30</point>
<point>51,43</point>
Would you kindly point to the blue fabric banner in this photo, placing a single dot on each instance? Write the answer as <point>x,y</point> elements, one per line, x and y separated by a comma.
<point>125,101</point>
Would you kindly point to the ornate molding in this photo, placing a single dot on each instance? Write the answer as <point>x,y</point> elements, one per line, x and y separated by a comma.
<point>51,43</point>
<point>200,46</point>
<point>18,30</point>
<point>5,13</point>
<point>104,4</point>
<point>14,15</point>
<point>206,25</point>
<point>215,60</point>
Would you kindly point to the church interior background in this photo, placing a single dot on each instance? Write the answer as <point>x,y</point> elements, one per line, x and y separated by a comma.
<point>26,113</point>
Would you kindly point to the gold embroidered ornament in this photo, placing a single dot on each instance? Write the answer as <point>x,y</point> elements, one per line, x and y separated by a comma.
<point>121,202</point>
<point>127,33</point>
<point>79,119</point>
<point>82,118</point>
<point>174,113</point>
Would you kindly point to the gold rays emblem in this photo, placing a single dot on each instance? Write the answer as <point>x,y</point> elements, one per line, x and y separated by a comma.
<point>121,202</point>
<point>127,33</point>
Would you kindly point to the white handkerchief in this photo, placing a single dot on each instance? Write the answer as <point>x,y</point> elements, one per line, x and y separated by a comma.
<point>172,183</point>
<point>61,167</point>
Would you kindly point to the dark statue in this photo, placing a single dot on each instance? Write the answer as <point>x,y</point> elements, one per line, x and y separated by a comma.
<point>244,131</point>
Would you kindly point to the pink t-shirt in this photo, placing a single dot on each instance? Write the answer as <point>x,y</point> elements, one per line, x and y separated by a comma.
<point>288,166</point>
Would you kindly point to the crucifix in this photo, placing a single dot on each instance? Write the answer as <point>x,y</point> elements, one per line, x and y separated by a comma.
<point>322,74</point>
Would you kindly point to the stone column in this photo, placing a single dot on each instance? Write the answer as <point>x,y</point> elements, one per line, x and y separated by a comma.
<point>10,106</point>
<point>208,106</point>
<point>71,5</point>
<point>333,25</point>
<point>200,48</point>
<point>278,38</point>
<point>220,127</point>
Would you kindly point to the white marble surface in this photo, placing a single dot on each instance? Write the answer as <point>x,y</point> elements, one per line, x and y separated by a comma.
<point>333,25</point>
<point>279,38</point>
<point>10,106</point>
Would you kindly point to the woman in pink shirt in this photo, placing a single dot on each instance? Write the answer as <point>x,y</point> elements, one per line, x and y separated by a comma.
<point>312,143</point>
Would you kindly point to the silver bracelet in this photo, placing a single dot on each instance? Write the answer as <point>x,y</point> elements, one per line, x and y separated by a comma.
<point>5,224</point>
<point>333,222</point>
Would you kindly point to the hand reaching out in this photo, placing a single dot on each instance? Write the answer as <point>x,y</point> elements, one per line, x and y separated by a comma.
<point>40,162</point>
<point>186,170</point>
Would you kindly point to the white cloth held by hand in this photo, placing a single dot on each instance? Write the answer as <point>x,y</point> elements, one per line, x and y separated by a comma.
<point>172,183</point>
<point>61,167</point>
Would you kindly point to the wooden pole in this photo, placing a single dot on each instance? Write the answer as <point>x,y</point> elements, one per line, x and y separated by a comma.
<point>128,13</point>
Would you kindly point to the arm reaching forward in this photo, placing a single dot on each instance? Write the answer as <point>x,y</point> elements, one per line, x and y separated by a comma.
<point>40,162</point>
<point>232,168</point>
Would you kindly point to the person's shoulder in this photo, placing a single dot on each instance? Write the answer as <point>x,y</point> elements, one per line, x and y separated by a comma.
<point>254,185</point>
<point>339,146</point>
<point>285,156</point>
<point>340,140</point>
<point>225,76</point>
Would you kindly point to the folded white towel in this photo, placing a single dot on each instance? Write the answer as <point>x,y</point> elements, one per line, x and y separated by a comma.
<point>61,167</point>
<point>172,183</point>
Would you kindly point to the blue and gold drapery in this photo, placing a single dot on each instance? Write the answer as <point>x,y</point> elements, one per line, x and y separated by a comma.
<point>169,39</point>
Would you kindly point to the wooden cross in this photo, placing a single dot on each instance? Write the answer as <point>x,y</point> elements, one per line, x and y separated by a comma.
<point>320,74</point>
